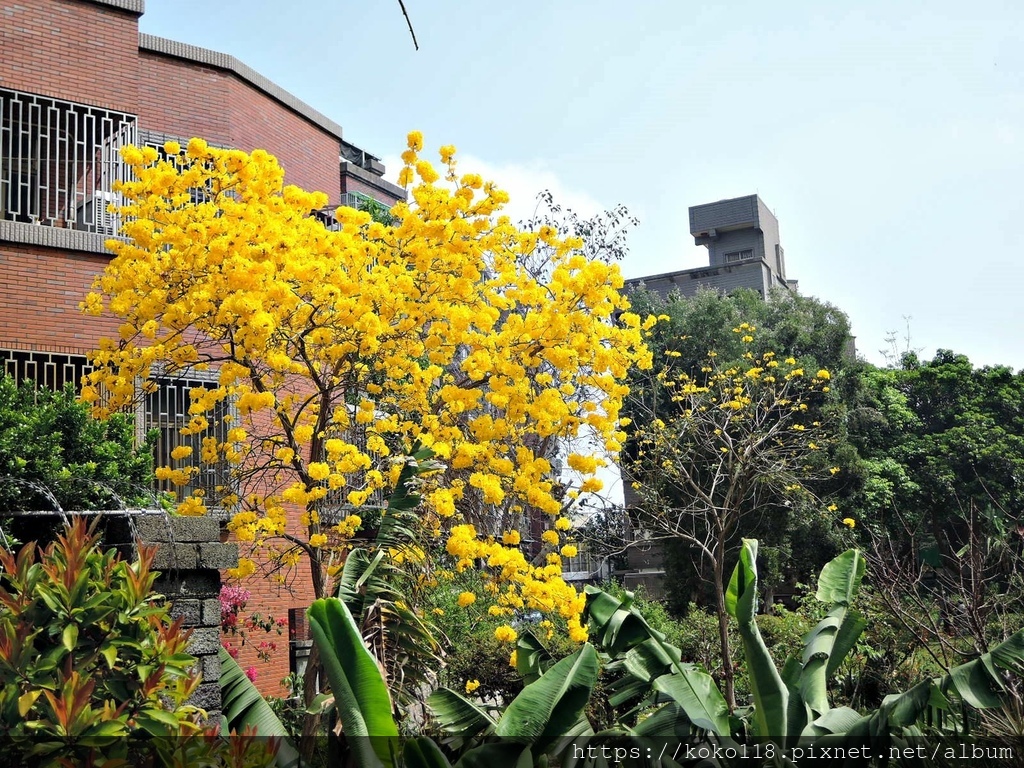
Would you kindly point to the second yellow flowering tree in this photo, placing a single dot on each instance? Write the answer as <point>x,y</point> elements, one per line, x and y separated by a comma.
<point>335,351</point>
<point>714,447</point>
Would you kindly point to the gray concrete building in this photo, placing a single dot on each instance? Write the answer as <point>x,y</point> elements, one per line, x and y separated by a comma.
<point>742,238</point>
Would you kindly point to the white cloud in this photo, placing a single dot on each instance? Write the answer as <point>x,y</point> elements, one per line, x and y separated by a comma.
<point>522,181</point>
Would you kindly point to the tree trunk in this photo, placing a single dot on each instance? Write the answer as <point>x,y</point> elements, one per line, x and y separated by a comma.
<point>310,723</point>
<point>723,631</point>
<point>311,685</point>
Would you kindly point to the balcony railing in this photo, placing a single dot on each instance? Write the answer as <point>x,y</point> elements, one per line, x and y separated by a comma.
<point>59,162</point>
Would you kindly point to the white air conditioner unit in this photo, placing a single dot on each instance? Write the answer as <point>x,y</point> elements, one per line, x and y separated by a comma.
<point>93,216</point>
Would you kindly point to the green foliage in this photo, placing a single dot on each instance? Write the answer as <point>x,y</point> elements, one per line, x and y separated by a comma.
<point>376,584</point>
<point>793,705</point>
<point>479,656</point>
<point>817,334</point>
<point>246,711</point>
<point>797,538</point>
<point>87,655</point>
<point>361,697</point>
<point>937,436</point>
<point>48,440</point>
<point>542,720</point>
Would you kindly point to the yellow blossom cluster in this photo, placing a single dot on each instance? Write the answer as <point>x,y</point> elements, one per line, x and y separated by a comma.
<point>523,586</point>
<point>337,350</point>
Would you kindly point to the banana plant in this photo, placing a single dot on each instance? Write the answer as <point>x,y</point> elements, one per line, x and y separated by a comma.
<point>542,720</point>
<point>794,705</point>
<point>790,705</point>
<point>361,697</point>
<point>650,670</point>
<point>369,585</point>
<point>245,710</point>
<point>546,714</point>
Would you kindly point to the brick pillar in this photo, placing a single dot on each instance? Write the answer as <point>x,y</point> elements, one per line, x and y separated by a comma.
<point>190,557</point>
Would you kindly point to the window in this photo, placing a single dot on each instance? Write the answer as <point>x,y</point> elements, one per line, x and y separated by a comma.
<point>59,161</point>
<point>157,142</point>
<point>739,256</point>
<point>49,370</point>
<point>166,410</point>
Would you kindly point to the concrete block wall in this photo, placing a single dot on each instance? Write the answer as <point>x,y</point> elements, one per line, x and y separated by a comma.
<point>190,557</point>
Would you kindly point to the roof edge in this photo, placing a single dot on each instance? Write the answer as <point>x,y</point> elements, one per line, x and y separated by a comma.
<point>137,7</point>
<point>379,182</point>
<point>229,63</point>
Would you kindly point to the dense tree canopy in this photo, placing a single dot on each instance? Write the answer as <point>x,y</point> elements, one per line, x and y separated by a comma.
<point>344,350</point>
<point>936,437</point>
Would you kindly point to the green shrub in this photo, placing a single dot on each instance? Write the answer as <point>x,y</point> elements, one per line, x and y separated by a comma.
<point>88,656</point>
<point>49,440</point>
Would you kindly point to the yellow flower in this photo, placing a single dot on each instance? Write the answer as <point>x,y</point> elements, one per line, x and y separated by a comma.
<point>849,522</point>
<point>549,537</point>
<point>513,659</point>
<point>563,524</point>
<point>823,374</point>
<point>181,452</point>
<point>245,569</point>
<point>472,685</point>
<point>466,599</point>
<point>578,634</point>
<point>318,470</point>
<point>317,540</point>
<point>569,551</point>
<point>505,634</point>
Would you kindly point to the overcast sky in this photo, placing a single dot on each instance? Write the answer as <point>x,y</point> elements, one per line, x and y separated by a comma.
<point>886,136</point>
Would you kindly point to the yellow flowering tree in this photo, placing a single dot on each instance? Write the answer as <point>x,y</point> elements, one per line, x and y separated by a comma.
<point>712,448</point>
<point>337,351</point>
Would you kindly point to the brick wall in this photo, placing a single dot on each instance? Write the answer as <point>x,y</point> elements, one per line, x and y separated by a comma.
<point>40,289</point>
<point>309,155</point>
<point>90,53</point>
<point>183,99</point>
<point>71,50</point>
<point>186,99</point>
<point>273,598</point>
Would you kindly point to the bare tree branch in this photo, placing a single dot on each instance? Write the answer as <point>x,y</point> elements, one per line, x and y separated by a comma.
<point>409,22</point>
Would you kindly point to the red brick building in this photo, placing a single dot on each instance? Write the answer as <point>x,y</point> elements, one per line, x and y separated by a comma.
<point>77,82</point>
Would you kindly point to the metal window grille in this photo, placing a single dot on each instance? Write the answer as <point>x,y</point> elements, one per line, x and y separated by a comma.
<point>47,370</point>
<point>166,410</point>
<point>59,162</point>
<point>357,200</point>
<point>334,507</point>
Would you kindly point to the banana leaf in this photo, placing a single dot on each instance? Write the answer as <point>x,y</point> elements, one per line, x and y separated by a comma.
<point>697,695</point>
<point>361,697</point>
<point>422,752</point>
<point>771,696</point>
<point>242,706</point>
<point>458,716</point>
<point>548,707</point>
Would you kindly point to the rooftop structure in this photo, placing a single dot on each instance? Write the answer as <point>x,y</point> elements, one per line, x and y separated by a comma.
<point>744,251</point>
